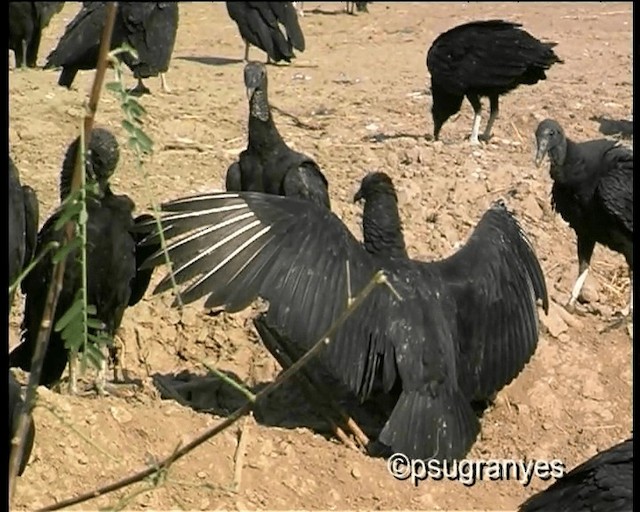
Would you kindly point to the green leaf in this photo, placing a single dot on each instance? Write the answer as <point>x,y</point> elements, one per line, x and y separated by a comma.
<point>68,213</point>
<point>73,335</point>
<point>114,86</point>
<point>71,313</point>
<point>91,310</point>
<point>94,323</point>
<point>66,249</point>
<point>83,217</point>
<point>143,138</point>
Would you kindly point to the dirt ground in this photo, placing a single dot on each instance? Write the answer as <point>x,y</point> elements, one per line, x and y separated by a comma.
<point>358,101</point>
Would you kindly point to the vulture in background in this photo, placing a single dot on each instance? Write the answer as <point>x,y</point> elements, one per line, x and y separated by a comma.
<point>149,27</point>
<point>23,224</point>
<point>359,6</point>
<point>268,164</point>
<point>461,329</point>
<point>261,24</point>
<point>27,20</point>
<point>604,483</point>
<point>113,281</point>
<point>483,58</point>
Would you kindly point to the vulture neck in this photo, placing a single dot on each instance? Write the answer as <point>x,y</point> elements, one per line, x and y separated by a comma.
<point>381,226</point>
<point>262,129</point>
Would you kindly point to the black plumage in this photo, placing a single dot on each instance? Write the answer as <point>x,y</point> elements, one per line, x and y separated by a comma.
<point>149,27</point>
<point>483,59</point>
<point>593,191</point>
<point>260,25</point>
<point>604,483</point>
<point>15,403</point>
<point>23,223</point>
<point>27,20</point>
<point>112,280</point>
<point>360,7</point>
<point>465,326</point>
<point>268,164</point>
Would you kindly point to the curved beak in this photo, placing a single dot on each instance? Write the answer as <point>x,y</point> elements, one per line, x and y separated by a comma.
<point>250,91</point>
<point>541,152</point>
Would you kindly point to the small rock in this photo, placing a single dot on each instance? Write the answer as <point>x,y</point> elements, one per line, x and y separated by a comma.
<point>553,322</point>
<point>531,207</point>
<point>355,473</point>
<point>564,338</point>
<point>201,474</point>
<point>570,319</point>
<point>589,293</point>
<point>121,415</point>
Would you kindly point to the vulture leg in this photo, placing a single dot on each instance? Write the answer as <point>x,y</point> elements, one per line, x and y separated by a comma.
<point>140,88</point>
<point>493,115</point>
<point>477,112</point>
<point>585,251</point>
<point>246,51</point>
<point>163,83</point>
<point>73,373</point>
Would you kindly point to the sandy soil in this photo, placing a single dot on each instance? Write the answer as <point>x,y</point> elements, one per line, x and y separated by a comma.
<point>359,94</point>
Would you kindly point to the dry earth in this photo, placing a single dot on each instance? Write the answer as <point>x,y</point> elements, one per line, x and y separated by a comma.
<point>359,94</point>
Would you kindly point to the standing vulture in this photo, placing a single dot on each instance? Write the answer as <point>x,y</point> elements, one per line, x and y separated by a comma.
<point>593,191</point>
<point>149,27</point>
<point>23,224</point>
<point>464,327</point>
<point>483,58</point>
<point>260,24</point>
<point>268,164</point>
<point>113,282</point>
<point>26,22</point>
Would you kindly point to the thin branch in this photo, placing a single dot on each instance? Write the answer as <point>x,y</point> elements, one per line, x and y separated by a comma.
<point>58,271</point>
<point>162,466</point>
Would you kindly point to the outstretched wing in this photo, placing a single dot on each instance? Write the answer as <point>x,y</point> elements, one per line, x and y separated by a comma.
<point>615,188</point>
<point>236,247</point>
<point>494,280</point>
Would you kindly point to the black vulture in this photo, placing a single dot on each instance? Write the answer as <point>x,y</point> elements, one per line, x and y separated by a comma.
<point>23,224</point>
<point>604,483</point>
<point>359,6</point>
<point>15,403</point>
<point>593,191</point>
<point>268,164</point>
<point>621,127</point>
<point>483,58</point>
<point>26,22</point>
<point>149,27</point>
<point>465,327</point>
<point>259,25</point>
<point>112,261</point>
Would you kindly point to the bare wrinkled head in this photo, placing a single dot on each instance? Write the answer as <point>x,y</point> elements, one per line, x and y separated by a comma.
<point>101,160</point>
<point>255,77</point>
<point>103,154</point>
<point>374,183</point>
<point>549,135</point>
